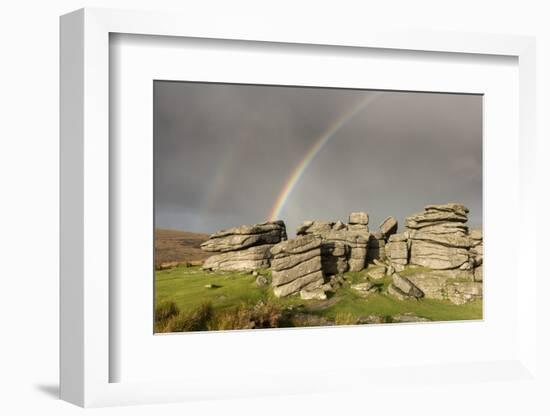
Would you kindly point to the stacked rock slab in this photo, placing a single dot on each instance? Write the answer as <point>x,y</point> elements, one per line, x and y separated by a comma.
<point>397,251</point>
<point>439,241</point>
<point>334,255</point>
<point>439,238</point>
<point>355,243</point>
<point>376,247</point>
<point>476,252</point>
<point>296,266</point>
<point>243,248</point>
<point>344,247</point>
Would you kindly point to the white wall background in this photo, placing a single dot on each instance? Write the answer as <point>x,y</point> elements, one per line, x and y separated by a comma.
<point>29,178</point>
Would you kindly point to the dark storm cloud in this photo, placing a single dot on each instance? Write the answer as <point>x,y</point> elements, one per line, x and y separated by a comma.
<point>224,152</point>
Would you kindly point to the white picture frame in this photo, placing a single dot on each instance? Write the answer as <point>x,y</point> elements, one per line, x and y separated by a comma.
<point>86,356</point>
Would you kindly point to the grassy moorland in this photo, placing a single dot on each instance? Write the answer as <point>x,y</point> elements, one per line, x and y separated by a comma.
<point>173,247</point>
<point>191,299</point>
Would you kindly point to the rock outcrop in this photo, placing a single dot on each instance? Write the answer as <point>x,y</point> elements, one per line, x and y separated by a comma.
<point>296,266</point>
<point>439,238</point>
<point>243,248</point>
<point>388,227</point>
<point>397,251</point>
<point>344,246</point>
<point>442,257</point>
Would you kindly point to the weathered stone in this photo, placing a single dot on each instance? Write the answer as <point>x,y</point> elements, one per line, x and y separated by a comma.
<point>289,261</point>
<point>356,265</point>
<point>449,240</point>
<point>463,292</point>
<point>397,251</point>
<point>376,273</point>
<point>437,256</point>
<point>244,236</point>
<point>300,244</point>
<point>449,207</point>
<point>398,293</point>
<point>476,234</point>
<point>433,285</point>
<point>338,225</point>
<point>444,228</point>
<point>359,218</point>
<point>358,227</point>
<point>308,282</point>
<point>406,286</point>
<point>315,294</point>
<point>401,237</point>
<point>430,218</point>
<point>478,274</point>
<point>301,269</point>
<point>364,288</point>
<point>388,226</point>
<point>252,258</point>
<point>314,227</point>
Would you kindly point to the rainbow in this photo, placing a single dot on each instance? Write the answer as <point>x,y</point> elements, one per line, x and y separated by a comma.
<point>314,150</point>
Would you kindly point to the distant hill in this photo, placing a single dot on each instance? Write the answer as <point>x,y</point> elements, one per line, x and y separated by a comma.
<point>174,246</point>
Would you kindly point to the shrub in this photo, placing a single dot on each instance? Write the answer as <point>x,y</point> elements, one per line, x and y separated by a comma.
<point>247,316</point>
<point>195,320</point>
<point>164,312</point>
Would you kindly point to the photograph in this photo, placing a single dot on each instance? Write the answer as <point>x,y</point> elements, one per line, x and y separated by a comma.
<point>282,206</point>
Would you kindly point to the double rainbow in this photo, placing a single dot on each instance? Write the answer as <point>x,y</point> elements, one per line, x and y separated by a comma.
<point>313,151</point>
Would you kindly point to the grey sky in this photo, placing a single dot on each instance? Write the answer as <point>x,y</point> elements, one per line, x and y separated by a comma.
<point>224,152</point>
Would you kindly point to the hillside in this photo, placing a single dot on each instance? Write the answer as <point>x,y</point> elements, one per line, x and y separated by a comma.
<point>174,246</point>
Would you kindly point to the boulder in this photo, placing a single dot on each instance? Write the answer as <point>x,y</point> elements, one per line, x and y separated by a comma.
<point>307,282</point>
<point>315,294</point>
<point>376,272</point>
<point>315,227</point>
<point>406,286</point>
<point>463,292</point>
<point>435,215</point>
<point>398,293</point>
<point>448,207</point>
<point>388,226</point>
<point>296,265</point>
<point>244,236</point>
<point>433,285</point>
<point>397,252</point>
<point>364,288</point>
<point>280,277</point>
<point>437,256</point>
<point>248,259</point>
<point>361,218</point>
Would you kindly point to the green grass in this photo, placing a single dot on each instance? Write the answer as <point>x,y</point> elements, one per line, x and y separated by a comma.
<point>185,287</point>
